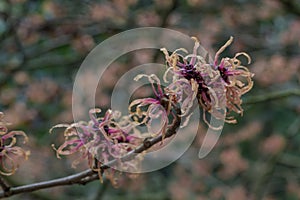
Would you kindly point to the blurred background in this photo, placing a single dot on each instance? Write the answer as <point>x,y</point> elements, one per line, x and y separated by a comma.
<point>43,43</point>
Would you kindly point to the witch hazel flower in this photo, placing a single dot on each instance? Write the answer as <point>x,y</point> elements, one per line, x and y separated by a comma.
<point>194,70</point>
<point>116,137</point>
<point>144,111</point>
<point>213,83</point>
<point>236,78</point>
<point>100,140</point>
<point>72,143</point>
<point>11,155</point>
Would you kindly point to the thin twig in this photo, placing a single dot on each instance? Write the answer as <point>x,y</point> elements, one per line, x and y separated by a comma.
<point>69,180</point>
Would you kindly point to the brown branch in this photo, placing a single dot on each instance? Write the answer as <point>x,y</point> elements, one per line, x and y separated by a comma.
<point>90,175</point>
<point>69,180</point>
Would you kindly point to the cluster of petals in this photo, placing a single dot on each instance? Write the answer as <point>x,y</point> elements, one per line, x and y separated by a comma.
<point>217,86</point>
<point>100,140</point>
<point>11,155</point>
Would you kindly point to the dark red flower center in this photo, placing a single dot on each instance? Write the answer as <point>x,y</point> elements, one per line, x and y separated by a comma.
<point>190,72</point>
<point>224,73</point>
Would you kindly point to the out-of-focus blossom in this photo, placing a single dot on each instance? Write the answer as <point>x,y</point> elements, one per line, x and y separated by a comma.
<point>276,70</point>
<point>115,12</point>
<point>100,12</point>
<point>293,188</point>
<point>83,43</point>
<point>148,18</point>
<point>292,34</point>
<point>13,114</point>
<point>273,144</point>
<point>248,132</point>
<point>53,10</point>
<point>11,155</point>
<point>238,192</point>
<point>233,163</point>
<point>27,30</point>
<point>41,91</point>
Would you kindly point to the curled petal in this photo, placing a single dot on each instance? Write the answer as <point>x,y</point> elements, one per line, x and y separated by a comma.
<point>92,113</point>
<point>10,158</point>
<point>10,154</point>
<point>222,49</point>
<point>243,54</point>
<point>156,111</point>
<point>58,126</point>
<point>153,79</point>
<point>166,74</point>
<point>12,135</point>
<point>68,147</point>
<point>7,165</point>
<point>3,130</point>
<point>197,44</point>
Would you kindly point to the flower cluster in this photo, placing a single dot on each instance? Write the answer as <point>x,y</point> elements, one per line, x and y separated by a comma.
<point>237,79</point>
<point>11,155</point>
<point>101,141</point>
<point>216,87</point>
<point>144,111</point>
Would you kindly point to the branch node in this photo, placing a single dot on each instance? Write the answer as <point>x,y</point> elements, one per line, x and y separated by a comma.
<point>147,142</point>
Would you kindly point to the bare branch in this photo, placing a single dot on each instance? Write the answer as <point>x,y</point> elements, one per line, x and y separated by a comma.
<point>69,180</point>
